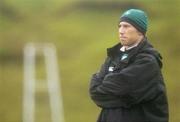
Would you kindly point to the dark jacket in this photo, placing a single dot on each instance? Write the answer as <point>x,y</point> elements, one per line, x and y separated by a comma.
<point>129,86</point>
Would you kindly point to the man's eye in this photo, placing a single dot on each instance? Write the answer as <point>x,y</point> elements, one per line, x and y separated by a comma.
<point>126,26</point>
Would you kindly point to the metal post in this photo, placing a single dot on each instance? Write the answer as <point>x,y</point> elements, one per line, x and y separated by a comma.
<point>54,91</point>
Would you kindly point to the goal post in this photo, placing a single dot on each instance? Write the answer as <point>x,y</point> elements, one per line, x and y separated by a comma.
<point>48,51</point>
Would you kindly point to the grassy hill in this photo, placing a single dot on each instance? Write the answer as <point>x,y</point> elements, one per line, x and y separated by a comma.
<point>81,32</point>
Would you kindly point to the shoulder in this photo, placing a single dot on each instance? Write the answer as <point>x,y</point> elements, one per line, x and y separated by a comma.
<point>146,52</point>
<point>146,58</point>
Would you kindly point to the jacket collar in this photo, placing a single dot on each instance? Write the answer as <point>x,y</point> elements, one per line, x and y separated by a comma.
<point>143,47</point>
<point>113,51</point>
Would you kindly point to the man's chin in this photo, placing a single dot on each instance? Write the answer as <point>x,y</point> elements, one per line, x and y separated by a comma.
<point>123,42</point>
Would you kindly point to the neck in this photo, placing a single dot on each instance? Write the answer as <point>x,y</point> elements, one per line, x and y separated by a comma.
<point>134,44</point>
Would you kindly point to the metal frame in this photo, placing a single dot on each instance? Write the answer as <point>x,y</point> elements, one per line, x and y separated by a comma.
<point>54,89</point>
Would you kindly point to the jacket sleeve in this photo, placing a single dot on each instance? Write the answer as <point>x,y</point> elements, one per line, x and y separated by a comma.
<point>136,80</point>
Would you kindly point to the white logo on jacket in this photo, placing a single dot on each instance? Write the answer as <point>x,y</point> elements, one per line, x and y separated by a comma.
<point>111,69</point>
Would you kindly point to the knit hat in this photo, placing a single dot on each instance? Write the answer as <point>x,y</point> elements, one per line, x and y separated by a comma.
<point>137,18</point>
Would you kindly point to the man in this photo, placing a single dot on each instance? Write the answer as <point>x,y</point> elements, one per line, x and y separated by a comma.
<point>129,86</point>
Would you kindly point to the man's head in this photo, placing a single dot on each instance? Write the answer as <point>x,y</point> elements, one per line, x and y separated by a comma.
<point>132,26</point>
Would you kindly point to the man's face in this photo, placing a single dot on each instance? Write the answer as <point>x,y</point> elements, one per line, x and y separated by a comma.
<point>128,34</point>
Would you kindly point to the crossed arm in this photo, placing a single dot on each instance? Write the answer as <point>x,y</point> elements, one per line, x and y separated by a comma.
<point>131,85</point>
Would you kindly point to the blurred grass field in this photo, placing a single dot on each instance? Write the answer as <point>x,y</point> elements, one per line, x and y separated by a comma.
<point>81,31</point>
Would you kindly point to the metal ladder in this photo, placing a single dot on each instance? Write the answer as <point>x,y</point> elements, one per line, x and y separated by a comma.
<point>53,86</point>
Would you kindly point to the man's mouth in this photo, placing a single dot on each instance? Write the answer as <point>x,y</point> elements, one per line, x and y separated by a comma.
<point>122,37</point>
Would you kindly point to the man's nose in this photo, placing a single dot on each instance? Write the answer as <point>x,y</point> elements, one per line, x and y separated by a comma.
<point>121,30</point>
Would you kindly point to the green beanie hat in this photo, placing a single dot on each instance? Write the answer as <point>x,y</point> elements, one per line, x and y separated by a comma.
<point>137,18</point>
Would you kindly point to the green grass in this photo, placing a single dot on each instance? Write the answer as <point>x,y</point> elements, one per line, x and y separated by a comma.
<point>81,37</point>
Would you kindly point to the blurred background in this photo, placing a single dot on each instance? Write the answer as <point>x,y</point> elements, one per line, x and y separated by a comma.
<point>81,30</point>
